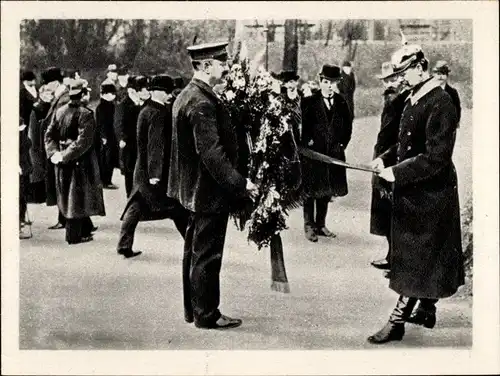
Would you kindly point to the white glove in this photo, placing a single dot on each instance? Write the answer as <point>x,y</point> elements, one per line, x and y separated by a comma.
<point>56,157</point>
<point>104,141</point>
<point>122,144</point>
<point>387,174</point>
<point>154,181</point>
<point>252,189</point>
<point>377,164</point>
<point>306,90</point>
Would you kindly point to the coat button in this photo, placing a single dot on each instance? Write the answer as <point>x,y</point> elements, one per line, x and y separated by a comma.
<point>409,147</point>
<point>409,133</point>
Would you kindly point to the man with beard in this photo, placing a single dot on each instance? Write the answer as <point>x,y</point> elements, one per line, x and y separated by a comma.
<point>148,200</point>
<point>204,179</point>
<point>37,150</point>
<point>441,72</point>
<point>69,143</point>
<point>126,114</point>
<point>395,95</point>
<point>105,114</point>
<point>426,256</point>
<point>327,129</point>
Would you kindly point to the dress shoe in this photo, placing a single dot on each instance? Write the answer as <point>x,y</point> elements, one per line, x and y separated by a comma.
<point>57,226</point>
<point>94,228</point>
<point>84,239</point>
<point>110,186</point>
<point>421,317</point>
<point>323,231</point>
<point>128,253</point>
<point>311,234</point>
<point>390,332</point>
<point>381,264</point>
<point>222,323</point>
<point>24,233</point>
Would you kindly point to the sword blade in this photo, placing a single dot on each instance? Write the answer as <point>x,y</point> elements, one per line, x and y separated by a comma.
<point>311,154</point>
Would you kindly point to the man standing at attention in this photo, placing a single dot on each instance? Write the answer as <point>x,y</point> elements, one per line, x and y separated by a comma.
<point>204,179</point>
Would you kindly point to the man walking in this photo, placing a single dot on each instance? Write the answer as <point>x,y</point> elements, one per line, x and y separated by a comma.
<point>148,199</point>
<point>204,179</point>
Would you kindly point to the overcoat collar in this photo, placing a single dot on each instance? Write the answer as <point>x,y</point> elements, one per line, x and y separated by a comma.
<point>421,90</point>
<point>205,88</point>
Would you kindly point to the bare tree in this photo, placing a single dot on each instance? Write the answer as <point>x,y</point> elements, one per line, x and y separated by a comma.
<point>291,52</point>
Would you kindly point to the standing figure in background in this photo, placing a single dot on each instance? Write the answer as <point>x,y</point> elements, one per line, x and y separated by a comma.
<point>25,169</point>
<point>112,74</point>
<point>69,143</point>
<point>148,200</point>
<point>441,72</point>
<point>37,151</point>
<point>395,95</point>
<point>27,96</point>
<point>53,78</point>
<point>347,85</point>
<point>105,115</point>
<point>426,256</point>
<point>126,114</point>
<point>327,129</point>
<point>142,84</point>
<point>122,77</point>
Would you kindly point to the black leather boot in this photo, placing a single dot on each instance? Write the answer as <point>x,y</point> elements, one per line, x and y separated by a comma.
<point>425,314</point>
<point>394,330</point>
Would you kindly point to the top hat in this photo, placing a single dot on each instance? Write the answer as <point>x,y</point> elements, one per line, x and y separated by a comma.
<point>209,51</point>
<point>76,87</point>
<point>441,67</point>
<point>286,76</point>
<point>108,87</point>
<point>178,82</point>
<point>52,74</point>
<point>330,72</point>
<point>140,82</point>
<point>406,57</point>
<point>162,82</point>
<point>28,76</point>
<point>112,68</point>
<point>387,71</point>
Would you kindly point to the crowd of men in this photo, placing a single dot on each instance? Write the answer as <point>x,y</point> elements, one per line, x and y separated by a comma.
<point>178,154</point>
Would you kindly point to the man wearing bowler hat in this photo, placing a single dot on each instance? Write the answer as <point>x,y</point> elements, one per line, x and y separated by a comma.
<point>347,85</point>
<point>204,179</point>
<point>395,94</point>
<point>148,200</point>
<point>326,128</point>
<point>441,73</point>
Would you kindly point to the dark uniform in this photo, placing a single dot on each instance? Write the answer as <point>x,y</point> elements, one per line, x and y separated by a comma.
<point>327,131</point>
<point>25,169</point>
<point>347,87</point>
<point>148,201</point>
<point>204,179</point>
<point>126,114</point>
<point>78,185</point>
<point>453,93</point>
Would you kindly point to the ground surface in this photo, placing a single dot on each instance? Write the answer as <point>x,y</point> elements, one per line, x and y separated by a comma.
<point>86,297</point>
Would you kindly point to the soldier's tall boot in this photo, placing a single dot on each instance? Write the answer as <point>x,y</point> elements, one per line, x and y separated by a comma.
<point>425,314</point>
<point>394,330</point>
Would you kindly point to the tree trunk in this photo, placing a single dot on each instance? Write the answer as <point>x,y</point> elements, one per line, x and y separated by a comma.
<point>291,52</point>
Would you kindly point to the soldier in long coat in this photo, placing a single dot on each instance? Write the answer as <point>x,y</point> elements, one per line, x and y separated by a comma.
<point>105,115</point>
<point>426,257</point>
<point>53,77</point>
<point>69,143</point>
<point>327,129</point>
<point>149,200</point>
<point>381,205</point>
<point>204,179</point>
<point>126,114</point>
<point>37,150</point>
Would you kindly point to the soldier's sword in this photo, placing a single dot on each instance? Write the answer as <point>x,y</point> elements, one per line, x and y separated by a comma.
<point>311,154</point>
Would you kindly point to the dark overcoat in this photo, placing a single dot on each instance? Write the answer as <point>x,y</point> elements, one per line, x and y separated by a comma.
<point>26,102</point>
<point>326,133</point>
<point>453,93</point>
<point>154,137</point>
<point>36,135</point>
<point>50,177</point>
<point>347,86</point>
<point>203,175</point>
<point>380,219</point>
<point>426,259</point>
<point>24,149</point>
<point>126,115</point>
<point>78,184</point>
<point>104,116</point>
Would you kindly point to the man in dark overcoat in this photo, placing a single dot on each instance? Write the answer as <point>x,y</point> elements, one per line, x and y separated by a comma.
<point>347,85</point>
<point>69,143</point>
<point>25,169</point>
<point>204,179</point>
<point>441,72</point>
<point>27,95</point>
<point>53,77</point>
<point>126,114</point>
<point>105,115</point>
<point>149,200</point>
<point>327,129</point>
<point>394,95</point>
<point>426,256</point>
